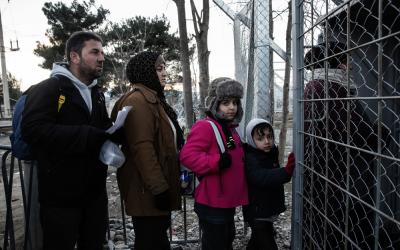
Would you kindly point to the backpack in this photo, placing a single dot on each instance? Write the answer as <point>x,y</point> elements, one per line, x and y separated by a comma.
<point>19,148</point>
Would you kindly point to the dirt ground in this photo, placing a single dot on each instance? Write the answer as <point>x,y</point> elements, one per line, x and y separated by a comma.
<point>242,233</point>
<point>16,200</point>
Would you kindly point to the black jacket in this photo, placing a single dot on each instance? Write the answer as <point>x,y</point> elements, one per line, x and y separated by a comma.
<point>66,142</point>
<point>265,180</point>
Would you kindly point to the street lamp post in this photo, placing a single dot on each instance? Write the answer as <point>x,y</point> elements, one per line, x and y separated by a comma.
<point>4,80</point>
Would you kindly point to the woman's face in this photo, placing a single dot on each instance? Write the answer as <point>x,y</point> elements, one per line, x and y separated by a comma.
<point>161,72</point>
<point>228,107</point>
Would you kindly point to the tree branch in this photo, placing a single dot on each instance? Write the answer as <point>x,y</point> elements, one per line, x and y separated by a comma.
<point>196,18</point>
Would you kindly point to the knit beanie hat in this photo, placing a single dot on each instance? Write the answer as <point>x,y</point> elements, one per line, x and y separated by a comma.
<point>220,89</point>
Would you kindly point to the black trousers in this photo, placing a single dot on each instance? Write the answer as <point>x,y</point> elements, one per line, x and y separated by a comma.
<point>217,226</point>
<point>217,236</point>
<point>63,228</point>
<point>151,232</point>
<point>262,236</point>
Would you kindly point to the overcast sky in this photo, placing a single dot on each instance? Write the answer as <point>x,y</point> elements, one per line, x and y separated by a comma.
<point>25,21</point>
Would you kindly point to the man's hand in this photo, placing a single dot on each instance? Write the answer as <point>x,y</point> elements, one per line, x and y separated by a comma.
<point>118,136</point>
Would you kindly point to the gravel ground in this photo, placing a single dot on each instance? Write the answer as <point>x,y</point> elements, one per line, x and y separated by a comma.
<point>282,225</point>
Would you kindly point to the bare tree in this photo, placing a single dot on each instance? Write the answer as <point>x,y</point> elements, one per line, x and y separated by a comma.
<point>286,82</point>
<point>200,23</point>
<point>184,53</point>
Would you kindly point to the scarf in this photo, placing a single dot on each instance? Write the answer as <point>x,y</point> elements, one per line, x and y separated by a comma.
<point>334,75</point>
<point>230,142</point>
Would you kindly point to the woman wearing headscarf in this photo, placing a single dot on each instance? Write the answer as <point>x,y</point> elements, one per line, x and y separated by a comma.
<point>149,179</point>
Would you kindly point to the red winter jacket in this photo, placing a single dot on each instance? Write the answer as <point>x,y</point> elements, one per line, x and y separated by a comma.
<point>219,189</point>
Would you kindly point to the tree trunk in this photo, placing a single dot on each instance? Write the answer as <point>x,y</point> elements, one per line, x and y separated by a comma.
<point>285,108</point>
<point>184,53</point>
<point>200,24</point>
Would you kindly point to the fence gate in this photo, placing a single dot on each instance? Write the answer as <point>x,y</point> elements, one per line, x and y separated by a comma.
<point>346,64</point>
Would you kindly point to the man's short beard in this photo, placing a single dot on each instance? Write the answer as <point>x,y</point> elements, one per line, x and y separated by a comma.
<point>97,74</point>
<point>91,74</point>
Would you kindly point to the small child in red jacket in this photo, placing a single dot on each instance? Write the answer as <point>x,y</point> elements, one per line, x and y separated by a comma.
<point>222,178</point>
<point>265,179</point>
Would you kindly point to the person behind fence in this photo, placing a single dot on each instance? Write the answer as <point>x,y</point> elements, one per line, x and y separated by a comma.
<point>329,158</point>
<point>149,179</point>
<point>214,152</point>
<point>64,121</point>
<point>265,179</point>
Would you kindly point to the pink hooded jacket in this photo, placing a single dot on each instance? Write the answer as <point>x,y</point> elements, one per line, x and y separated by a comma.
<point>219,189</point>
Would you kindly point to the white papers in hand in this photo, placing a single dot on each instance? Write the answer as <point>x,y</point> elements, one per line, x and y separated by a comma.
<point>119,122</point>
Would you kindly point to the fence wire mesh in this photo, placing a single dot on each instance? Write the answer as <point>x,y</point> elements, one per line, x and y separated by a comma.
<point>349,184</point>
<point>244,56</point>
<point>252,58</point>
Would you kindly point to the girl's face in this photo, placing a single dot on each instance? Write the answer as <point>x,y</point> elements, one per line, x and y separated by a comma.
<point>265,140</point>
<point>161,73</point>
<point>228,107</point>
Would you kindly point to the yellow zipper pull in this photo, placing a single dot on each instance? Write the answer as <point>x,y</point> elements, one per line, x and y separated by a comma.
<point>61,100</point>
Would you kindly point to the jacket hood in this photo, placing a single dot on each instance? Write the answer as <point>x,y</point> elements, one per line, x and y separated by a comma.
<point>84,90</point>
<point>249,128</point>
<point>61,68</point>
<point>318,53</point>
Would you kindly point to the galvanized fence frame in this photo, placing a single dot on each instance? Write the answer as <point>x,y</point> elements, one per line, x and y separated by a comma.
<point>340,199</point>
<point>7,172</point>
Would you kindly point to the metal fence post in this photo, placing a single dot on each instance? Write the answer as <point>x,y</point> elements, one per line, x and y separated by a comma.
<point>298,124</point>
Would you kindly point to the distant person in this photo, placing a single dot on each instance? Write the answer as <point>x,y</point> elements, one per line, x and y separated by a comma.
<point>337,170</point>
<point>222,179</point>
<point>149,179</point>
<point>65,121</point>
<point>265,179</point>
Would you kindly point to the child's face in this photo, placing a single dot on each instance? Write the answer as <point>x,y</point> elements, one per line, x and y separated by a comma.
<point>228,107</point>
<point>264,141</point>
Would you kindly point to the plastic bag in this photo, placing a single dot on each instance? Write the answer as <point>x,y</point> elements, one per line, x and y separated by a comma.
<point>111,154</point>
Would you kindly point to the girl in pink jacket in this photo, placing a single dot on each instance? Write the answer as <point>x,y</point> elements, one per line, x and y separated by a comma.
<point>221,175</point>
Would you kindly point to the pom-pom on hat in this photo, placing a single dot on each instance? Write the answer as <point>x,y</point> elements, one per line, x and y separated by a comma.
<point>220,89</point>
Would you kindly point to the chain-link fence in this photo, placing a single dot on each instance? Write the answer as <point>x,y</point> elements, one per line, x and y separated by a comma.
<point>346,66</point>
<point>259,61</point>
<point>252,58</point>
